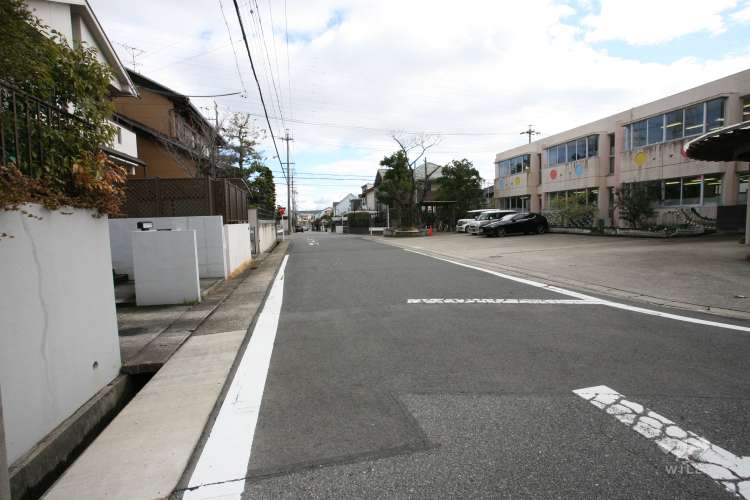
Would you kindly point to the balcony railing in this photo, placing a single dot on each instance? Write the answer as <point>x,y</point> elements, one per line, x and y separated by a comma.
<point>34,134</point>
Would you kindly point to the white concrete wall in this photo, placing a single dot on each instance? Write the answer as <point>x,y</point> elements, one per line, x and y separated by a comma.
<point>209,235</point>
<point>266,232</point>
<point>58,327</point>
<point>238,248</point>
<point>125,141</point>
<point>166,267</point>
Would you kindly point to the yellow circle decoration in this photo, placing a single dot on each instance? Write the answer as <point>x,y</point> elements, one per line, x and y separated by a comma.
<point>640,158</point>
<point>517,181</point>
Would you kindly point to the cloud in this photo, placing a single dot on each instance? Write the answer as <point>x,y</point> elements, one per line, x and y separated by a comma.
<point>648,22</point>
<point>742,15</point>
<point>372,67</point>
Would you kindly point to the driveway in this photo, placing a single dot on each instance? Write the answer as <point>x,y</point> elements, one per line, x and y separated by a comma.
<point>707,274</point>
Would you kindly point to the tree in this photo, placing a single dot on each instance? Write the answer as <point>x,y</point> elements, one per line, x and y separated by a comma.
<point>461,183</point>
<point>634,201</point>
<point>402,186</point>
<point>73,171</point>
<point>397,188</point>
<point>241,159</point>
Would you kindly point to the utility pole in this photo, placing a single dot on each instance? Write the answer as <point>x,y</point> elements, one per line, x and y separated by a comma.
<point>530,132</point>
<point>289,181</point>
<point>215,145</point>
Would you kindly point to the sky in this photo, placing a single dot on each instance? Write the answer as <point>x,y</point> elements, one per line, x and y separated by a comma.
<point>344,76</point>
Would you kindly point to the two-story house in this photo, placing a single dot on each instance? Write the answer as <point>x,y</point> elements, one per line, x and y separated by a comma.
<point>174,139</point>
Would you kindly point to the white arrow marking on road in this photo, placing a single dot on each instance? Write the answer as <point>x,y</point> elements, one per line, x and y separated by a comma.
<point>222,465</point>
<point>727,469</point>
<point>503,301</point>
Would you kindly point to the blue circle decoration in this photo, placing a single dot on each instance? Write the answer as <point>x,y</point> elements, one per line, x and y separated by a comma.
<point>579,169</point>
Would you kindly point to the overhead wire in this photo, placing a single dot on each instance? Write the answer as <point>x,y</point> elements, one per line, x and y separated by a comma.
<point>231,41</point>
<point>255,76</point>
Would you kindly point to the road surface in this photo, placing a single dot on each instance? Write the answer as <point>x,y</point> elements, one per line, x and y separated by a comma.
<point>379,372</point>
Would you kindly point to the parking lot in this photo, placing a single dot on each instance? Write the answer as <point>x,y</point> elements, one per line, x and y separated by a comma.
<point>706,273</point>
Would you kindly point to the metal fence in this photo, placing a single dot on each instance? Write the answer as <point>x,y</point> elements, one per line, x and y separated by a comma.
<point>185,197</point>
<point>33,133</point>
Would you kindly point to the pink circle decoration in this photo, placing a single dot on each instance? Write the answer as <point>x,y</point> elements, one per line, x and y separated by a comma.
<point>553,174</point>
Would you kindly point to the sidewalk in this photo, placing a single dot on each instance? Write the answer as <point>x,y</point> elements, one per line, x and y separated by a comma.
<point>143,453</point>
<point>707,274</point>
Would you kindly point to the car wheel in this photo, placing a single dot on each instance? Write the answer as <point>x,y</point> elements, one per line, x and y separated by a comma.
<point>540,229</point>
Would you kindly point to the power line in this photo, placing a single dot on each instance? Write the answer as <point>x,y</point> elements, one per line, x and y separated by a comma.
<point>255,75</point>
<point>530,131</point>
<point>231,40</point>
<point>288,71</point>
<point>268,59</point>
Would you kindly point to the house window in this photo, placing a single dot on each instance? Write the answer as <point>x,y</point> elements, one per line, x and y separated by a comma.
<point>655,127</point>
<point>691,190</point>
<point>593,146</point>
<point>581,149</point>
<point>714,114</point>
<point>672,190</point>
<point>674,125</point>
<point>694,120</point>
<point>572,153</point>
<point>552,156</point>
<point>611,154</point>
<point>746,108</point>
<point>712,189</point>
<point>639,134</point>
<point>742,180</point>
<point>561,156</point>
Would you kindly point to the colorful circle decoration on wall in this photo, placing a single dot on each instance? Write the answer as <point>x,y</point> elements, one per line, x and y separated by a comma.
<point>517,181</point>
<point>579,169</point>
<point>640,159</point>
<point>553,174</point>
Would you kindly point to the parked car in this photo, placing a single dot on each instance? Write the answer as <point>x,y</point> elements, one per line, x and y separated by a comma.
<point>486,218</point>
<point>469,216</point>
<point>517,223</point>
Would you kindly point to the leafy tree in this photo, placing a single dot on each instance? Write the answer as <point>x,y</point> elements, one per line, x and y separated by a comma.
<point>40,62</point>
<point>572,211</point>
<point>397,188</point>
<point>634,201</point>
<point>461,183</point>
<point>241,159</point>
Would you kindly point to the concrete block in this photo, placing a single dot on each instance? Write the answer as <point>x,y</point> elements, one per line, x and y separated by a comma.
<point>166,267</point>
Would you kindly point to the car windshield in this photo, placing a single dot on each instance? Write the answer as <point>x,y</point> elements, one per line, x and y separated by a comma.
<point>486,216</point>
<point>508,217</point>
<point>471,215</point>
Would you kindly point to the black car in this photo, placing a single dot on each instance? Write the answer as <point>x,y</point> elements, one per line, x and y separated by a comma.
<point>517,223</point>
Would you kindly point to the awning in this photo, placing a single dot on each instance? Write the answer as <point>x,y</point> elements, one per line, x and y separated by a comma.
<point>730,143</point>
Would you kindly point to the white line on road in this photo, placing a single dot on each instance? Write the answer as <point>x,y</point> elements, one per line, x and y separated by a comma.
<point>222,465</point>
<point>724,467</point>
<point>503,301</point>
<point>581,296</point>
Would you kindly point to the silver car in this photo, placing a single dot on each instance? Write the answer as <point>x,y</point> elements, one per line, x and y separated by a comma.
<point>469,217</point>
<point>485,218</point>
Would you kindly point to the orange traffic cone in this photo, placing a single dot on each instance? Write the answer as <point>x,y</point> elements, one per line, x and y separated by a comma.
<point>429,230</point>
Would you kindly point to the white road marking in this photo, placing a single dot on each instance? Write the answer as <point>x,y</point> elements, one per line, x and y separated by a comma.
<point>502,301</point>
<point>727,469</point>
<point>222,465</point>
<point>581,296</point>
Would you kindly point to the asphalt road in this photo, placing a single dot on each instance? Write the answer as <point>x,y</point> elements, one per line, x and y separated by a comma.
<point>371,396</point>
